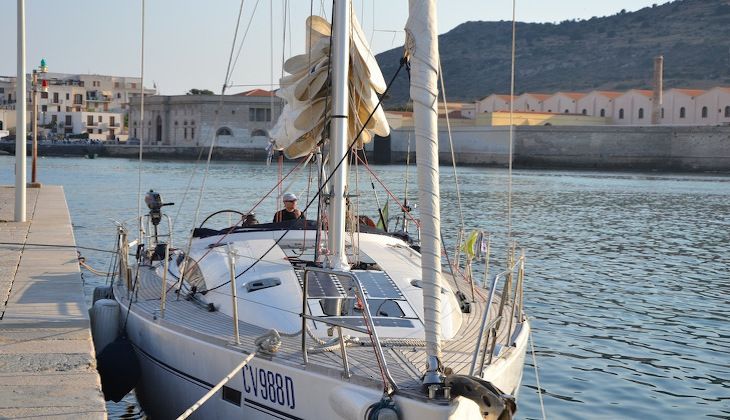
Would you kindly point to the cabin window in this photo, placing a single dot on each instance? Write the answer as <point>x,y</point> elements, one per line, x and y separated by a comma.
<point>682,112</point>
<point>621,114</point>
<point>641,113</point>
<point>603,112</point>
<point>704,112</point>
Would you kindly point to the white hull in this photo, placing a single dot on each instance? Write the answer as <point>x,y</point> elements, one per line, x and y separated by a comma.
<point>177,370</point>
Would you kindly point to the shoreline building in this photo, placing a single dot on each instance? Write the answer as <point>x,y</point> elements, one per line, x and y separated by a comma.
<point>688,107</point>
<point>89,105</point>
<point>244,119</point>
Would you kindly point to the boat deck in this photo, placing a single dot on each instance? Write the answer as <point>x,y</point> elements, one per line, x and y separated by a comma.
<point>406,363</point>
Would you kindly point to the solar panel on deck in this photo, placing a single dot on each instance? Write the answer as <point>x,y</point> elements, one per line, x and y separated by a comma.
<point>378,285</point>
<point>322,285</point>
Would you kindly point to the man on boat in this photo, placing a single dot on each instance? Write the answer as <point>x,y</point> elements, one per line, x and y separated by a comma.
<point>290,210</point>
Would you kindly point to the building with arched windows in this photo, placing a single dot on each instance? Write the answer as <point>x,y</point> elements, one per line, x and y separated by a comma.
<point>241,120</point>
<point>634,107</point>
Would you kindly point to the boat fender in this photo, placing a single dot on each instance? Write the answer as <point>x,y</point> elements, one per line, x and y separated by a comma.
<point>119,369</point>
<point>385,409</point>
<point>104,317</point>
<point>492,402</point>
<point>102,292</point>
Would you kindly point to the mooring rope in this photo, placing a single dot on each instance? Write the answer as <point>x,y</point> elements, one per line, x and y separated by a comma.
<point>537,377</point>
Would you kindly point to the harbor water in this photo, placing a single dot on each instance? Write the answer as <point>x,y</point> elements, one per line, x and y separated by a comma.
<point>627,281</point>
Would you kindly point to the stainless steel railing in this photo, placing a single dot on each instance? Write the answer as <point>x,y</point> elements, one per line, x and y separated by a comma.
<point>369,329</point>
<point>492,325</point>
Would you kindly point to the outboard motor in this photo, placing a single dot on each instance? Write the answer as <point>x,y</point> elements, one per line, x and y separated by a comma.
<point>155,204</point>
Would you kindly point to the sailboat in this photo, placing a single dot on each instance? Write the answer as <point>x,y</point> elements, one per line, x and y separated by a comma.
<point>324,319</point>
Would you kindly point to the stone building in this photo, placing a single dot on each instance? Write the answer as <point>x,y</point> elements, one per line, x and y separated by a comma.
<point>599,103</point>
<point>530,102</point>
<point>492,103</point>
<point>679,107</point>
<point>241,120</point>
<point>714,106</point>
<point>562,102</point>
<point>633,108</point>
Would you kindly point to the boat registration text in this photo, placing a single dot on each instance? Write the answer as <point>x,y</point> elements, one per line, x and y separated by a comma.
<point>268,385</point>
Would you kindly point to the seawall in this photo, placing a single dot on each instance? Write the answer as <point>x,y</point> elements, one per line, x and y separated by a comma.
<point>602,147</point>
<point>660,148</point>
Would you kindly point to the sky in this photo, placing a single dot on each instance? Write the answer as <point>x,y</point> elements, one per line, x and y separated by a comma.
<point>188,42</point>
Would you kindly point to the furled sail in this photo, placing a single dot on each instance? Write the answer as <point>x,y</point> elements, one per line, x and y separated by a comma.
<point>306,86</point>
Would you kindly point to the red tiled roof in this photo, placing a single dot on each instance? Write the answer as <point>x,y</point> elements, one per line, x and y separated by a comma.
<point>690,92</point>
<point>539,96</point>
<point>609,93</point>
<point>257,93</point>
<point>572,95</point>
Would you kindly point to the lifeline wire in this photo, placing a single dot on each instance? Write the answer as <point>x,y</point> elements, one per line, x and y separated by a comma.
<point>141,129</point>
<point>511,126</point>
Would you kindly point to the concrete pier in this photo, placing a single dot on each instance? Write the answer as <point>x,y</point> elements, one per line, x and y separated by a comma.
<point>47,364</point>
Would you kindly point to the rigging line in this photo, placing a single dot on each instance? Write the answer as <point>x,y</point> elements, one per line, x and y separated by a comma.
<point>333,172</point>
<point>391,195</point>
<point>537,376</point>
<point>451,146</point>
<point>511,125</point>
<point>215,124</point>
<point>245,33</point>
<point>58,246</point>
<point>285,8</point>
<point>233,46</point>
<point>141,127</point>
<point>271,56</point>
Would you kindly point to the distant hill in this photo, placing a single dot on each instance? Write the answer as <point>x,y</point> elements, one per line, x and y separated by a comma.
<point>608,53</point>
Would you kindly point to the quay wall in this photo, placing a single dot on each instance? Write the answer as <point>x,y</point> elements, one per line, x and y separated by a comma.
<point>597,147</point>
<point>660,148</point>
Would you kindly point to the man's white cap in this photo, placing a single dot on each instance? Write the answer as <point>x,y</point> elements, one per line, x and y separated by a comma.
<point>289,197</point>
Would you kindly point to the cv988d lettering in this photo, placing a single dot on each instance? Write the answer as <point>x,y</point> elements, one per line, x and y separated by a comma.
<point>268,385</point>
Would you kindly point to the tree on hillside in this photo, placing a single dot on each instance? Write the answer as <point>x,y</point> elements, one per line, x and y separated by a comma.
<point>199,92</point>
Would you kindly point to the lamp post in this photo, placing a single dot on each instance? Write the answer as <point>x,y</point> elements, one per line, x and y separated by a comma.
<point>44,87</point>
<point>20,103</point>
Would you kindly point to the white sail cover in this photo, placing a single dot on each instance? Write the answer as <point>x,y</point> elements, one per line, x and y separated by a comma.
<point>422,47</point>
<point>307,85</point>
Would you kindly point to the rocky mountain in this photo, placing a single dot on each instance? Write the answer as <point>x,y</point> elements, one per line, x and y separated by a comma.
<point>608,53</point>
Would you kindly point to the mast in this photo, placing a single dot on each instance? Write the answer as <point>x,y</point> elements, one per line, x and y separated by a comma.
<point>422,45</point>
<point>338,133</point>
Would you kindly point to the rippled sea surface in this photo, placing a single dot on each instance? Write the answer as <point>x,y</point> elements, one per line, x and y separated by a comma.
<point>628,286</point>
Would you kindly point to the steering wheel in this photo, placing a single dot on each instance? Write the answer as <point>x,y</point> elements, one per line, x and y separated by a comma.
<point>243,216</point>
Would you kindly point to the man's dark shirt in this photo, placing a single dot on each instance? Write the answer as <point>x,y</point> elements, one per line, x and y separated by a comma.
<point>283,215</point>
